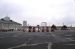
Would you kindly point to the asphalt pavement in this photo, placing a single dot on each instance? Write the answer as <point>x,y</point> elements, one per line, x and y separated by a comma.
<point>17,39</point>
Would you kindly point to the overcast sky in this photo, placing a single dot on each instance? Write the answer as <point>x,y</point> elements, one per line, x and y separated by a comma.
<point>37,11</point>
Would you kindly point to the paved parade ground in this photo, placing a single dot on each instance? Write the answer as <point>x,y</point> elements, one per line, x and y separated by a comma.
<point>37,40</point>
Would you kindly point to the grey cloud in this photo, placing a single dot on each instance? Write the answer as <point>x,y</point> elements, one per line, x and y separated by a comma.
<point>10,9</point>
<point>67,10</point>
<point>70,14</point>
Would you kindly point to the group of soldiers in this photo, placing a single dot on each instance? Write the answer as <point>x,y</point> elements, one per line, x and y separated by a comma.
<point>45,29</point>
<point>38,29</point>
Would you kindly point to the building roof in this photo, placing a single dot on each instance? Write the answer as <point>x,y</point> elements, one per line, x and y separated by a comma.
<point>9,22</point>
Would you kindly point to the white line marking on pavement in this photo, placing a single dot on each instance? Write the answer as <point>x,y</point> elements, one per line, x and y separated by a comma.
<point>22,45</point>
<point>26,45</point>
<point>70,39</point>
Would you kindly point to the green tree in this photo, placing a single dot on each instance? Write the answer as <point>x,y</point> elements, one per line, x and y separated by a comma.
<point>64,27</point>
<point>53,27</point>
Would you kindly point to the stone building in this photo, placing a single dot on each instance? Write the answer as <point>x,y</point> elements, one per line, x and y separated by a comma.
<point>7,24</point>
<point>24,23</point>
